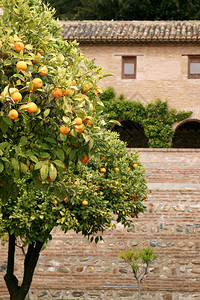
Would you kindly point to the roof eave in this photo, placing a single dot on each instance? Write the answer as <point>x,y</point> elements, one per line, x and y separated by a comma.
<point>133,41</point>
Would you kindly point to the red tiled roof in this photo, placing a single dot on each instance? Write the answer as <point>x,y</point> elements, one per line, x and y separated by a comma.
<point>132,31</point>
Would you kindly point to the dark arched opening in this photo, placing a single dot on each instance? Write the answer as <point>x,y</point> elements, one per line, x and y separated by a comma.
<point>187,135</point>
<point>132,133</point>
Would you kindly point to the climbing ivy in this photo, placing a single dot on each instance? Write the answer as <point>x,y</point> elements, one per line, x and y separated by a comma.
<point>155,117</point>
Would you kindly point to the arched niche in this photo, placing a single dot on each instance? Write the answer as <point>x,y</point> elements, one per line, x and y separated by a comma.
<point>187,135</point>
<point>132,133</point>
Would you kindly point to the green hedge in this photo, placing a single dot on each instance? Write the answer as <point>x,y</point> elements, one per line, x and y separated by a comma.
<point>155,117</point>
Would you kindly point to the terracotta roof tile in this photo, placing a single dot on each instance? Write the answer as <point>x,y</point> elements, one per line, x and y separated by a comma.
<point>132,31</point>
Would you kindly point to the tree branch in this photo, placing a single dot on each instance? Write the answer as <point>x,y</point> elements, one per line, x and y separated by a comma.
<point>145,271</point>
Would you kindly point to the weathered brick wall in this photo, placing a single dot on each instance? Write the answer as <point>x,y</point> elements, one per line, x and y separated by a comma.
<point>162,72</point>
<point>70,267</point>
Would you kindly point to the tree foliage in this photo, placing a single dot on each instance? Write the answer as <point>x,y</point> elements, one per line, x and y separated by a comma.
<point>59,166</point>
<point>139,260</point>
<point>65,9</point>
<point>128,9</point>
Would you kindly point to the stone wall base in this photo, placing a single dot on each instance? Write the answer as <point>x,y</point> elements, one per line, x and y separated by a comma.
<point>114,294</point>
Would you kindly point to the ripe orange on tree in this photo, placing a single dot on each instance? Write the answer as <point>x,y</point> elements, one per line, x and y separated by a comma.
<point>37,83</point>
<point>74,82</point>
<point>13,114</point>
<point>48,179</point>
<point>43,71</point>
<point>21,65</point>
<point>31,107</point>
<point>78,121</point>
<point>85,159</point>
<point>65,92</point>
<point>133,197</point>
<point>57,93</point>
<point>88,121</point>
<point>79,128</point>
<point>103,170</point>
<point>19,46</point>
<point>16,96</point>
<point>85,202</point>
<point>135,165</point>
<point>84,90</point>
<point>2,94</point>
<point>65,168</point>
<point>64,129</point>
<point>116,170</point>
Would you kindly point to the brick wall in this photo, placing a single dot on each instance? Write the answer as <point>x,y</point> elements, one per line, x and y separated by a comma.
<point>70,267</point>
<point>162,72</point>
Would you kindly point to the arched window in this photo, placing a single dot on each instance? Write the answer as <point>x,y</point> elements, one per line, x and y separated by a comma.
<point>187,135</point>
<point>132,133</point>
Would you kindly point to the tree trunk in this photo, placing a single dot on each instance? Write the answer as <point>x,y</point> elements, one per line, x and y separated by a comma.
<point>19,292</point>
<point>139,290</point>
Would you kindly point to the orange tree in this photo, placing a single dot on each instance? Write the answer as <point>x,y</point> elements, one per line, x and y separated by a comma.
<point>59,166</point>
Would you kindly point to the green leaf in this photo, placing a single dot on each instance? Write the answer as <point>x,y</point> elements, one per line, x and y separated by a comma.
<point>86,137</point>
<point>63,137</point>
<point>60,154</point>
<point>45,155</point>
<point>68,151</point>
<point>59,163</point>
<point>79,97</point>
<point>23,141</point>
<point>39,164</point>
<point>115,122</point>
<point>50,140</point>
<point>91,143</point>
<point>19,76</point>
<point>45,146</point>
<point>17,150</point>
<point>4,145</point>
<point>23,168</point>
<point>72,154</point>
<point>46,112</point>
<point>4,159</point>
<point>52,172</point>
<point>100,103</point>
<point>7,120</point>
<point>66,119</point>
<point>3,126</point>
<point>44,172</point>
<point>33,158</point>
<point>15,163</point>
<point>1,167</point>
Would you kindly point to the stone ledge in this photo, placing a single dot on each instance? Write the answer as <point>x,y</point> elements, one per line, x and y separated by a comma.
<point>188,150</point>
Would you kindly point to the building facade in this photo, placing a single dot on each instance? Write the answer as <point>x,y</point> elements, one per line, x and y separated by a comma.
<point>148,60</point>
